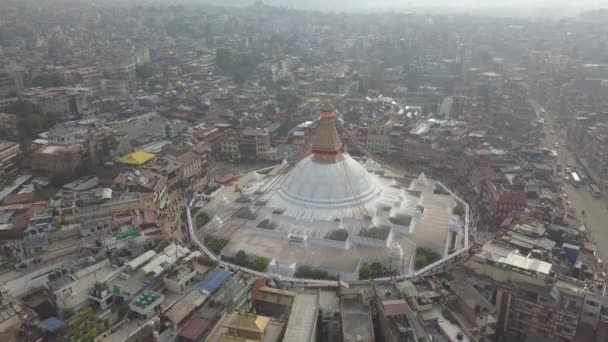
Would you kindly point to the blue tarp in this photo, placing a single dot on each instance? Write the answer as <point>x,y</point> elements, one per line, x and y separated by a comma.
<point>213,281</point>
<point>51,324</point>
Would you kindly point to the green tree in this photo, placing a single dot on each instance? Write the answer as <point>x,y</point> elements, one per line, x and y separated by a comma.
<point>365,272</point>
<point>308,272</point>
<point>201,220</point>
<point>288,101</point>
<point>223,58</point>
<point>240,258</point>
<point>106,147</point>
<point>48,80</point>
<point>414,79</point>
<point>424,257</point>
<point>144,71</point>
<point>163,244</point>
<point>30,120</point>
<point>459,210</point>
<point>260,264</point>
<point>376,269</point>
<point>241,67</point>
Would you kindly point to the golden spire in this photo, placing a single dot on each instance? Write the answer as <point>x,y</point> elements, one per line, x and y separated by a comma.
<point>327,141</point>
<point>327,108</point>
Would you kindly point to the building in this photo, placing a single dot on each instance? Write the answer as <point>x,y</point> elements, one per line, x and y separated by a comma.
<point>17,321</point>
<point>56,159</point>
<point>252,327</point>
<point>9,84</point>
<point>597,151</point>
<point>320,209</point>
<point>8,159</point>
<point>193,163</point>
<point>524,317</point>
<point>356,321</point>
<point>179,279</point>
<point>503,202</point>
<point>379,143</point>
<point>50,100</point>
<point>137,158</point>
<point>302,324</point>
<point>230,146</point>
<point>254,144</point>
<point>147,304</point>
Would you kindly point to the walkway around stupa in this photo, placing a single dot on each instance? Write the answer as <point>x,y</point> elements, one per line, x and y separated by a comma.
<point>437,267</point>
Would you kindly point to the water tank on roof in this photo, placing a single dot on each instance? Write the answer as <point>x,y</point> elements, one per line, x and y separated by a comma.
<point>106,193</point>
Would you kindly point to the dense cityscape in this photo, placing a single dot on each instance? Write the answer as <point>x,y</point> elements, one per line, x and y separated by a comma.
<point>191,172</point>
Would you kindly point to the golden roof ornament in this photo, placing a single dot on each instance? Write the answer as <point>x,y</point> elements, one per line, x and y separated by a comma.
<point>326,105</point>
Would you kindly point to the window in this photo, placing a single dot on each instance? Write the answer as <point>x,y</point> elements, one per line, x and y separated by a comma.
<point>589,314</point>
<point>592,303</point>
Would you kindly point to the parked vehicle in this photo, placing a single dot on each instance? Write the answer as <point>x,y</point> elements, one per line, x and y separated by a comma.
<point>595,190</point>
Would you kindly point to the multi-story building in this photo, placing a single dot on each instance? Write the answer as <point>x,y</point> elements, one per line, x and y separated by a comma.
<point>529,300</point>
<point>230,146</point>
<point>525,314</point>
<point>379,143</point>
<point>8,158</point>
<point>9,86</point>
<point>192,162</point>
<point>577,131</point>
<point>254,144</point>
<point>52,100</point>
<point>57,159</point>
<point>596,147</point>
<point>118,87</point>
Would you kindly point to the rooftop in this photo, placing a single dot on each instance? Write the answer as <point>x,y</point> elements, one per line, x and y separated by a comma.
<point>302,321</point>
<point>356,321</point>
<point>139,157</point>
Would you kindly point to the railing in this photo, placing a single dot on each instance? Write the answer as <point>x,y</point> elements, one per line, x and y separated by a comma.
<point>316,282</point>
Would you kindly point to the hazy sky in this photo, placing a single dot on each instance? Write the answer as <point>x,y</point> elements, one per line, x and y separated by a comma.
<point>523,7</point>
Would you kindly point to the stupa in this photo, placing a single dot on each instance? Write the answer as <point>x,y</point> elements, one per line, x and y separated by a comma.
<point>333,212</point>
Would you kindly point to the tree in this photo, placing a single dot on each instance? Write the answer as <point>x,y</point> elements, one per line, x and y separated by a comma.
<point>48,80</point>
<point>365,272</point>
<point>202,219</point>
<point>308,272</point>
<point>163,244</point>
<point>424,257</point>
<point>106,147</point>
<point>31,120</point>
<point>260,264</point>
<point>240,258</point>
<point>414,79</point>
<point>459,210</point>
<point>377,269</point>
<point>240,66</point>
<point>223,58</point>
<point>144,71</point>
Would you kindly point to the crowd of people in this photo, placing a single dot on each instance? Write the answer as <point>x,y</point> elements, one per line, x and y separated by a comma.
<point>482,222</point>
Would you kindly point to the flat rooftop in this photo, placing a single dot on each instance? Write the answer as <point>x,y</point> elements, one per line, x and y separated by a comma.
<point>303,319</point>
<point>356,321</point>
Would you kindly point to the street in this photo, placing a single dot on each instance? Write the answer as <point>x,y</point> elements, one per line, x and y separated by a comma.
<point>596,212</point>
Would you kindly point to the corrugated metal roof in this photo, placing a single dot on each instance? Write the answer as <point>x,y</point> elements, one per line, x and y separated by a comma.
<point>213,281</point>
<point>52,324</point>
